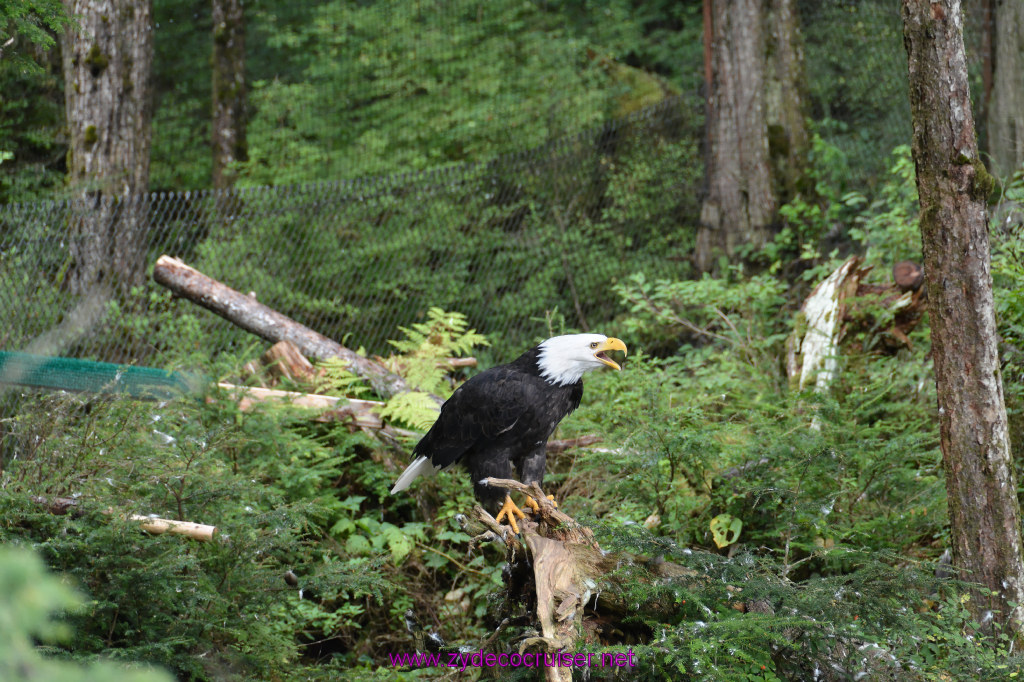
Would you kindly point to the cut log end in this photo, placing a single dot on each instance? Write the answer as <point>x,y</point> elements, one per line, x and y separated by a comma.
<point>908,275</point>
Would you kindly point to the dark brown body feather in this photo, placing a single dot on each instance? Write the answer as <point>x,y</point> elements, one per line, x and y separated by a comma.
<point>498,421</point>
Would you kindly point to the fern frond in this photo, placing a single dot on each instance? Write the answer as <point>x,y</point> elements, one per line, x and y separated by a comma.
<point>415,408</point>
<point>442,335</point>
<point>337,380</point>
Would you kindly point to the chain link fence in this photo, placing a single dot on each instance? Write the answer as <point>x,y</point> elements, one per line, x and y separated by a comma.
<point>517,244</point>
<point>526,242</point>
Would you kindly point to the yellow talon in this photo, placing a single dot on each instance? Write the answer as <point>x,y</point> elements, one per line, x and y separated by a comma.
<point>532,503</point>
<point>510,510</point>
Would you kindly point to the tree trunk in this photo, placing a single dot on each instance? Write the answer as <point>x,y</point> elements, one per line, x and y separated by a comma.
<point>953,187</point>
<point>986,21</point>
<point>1006,107</point>
<point>107,54</point>
<point>785,101</point>
<point>228,139</point>
<point>740,205</point>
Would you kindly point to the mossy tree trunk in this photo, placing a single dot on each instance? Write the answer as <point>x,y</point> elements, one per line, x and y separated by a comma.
<point>1006,106</point>
<point>108,54</point>
<point>229,91</point>
<point>953,187</point>
<point>754,72</point>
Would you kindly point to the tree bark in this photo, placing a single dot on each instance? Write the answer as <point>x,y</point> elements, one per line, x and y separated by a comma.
<point>229,91</point>
<point>988,41</point>
<point>1006,106</point>
<point>740,205</point>
<point>953,187</point>
<point>107,55</point>
<point>785,100</point>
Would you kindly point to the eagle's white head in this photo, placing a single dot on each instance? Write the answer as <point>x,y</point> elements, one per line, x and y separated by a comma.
<point>565,359</point>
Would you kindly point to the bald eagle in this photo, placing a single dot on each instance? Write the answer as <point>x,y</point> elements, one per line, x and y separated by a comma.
<point>502,418</point>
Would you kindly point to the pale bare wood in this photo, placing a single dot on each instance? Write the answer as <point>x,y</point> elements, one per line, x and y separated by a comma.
<point>842,305</point>
<point>361,412</point>
<point>814,355</point>
<point>455,363</point>
<point>157,526</point>
<point>555,446</point>
<point>558,599</point>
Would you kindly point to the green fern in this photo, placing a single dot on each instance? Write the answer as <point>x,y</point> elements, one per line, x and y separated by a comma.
<point>338,380</point>
<point>415,408</point>
<point>442,335</point>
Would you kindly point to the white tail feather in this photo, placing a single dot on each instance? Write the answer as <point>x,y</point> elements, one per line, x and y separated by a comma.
<point>420,466</point>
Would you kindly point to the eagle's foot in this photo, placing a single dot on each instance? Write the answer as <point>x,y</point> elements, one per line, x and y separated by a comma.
<point>511,511</point>
<point>532,503</point>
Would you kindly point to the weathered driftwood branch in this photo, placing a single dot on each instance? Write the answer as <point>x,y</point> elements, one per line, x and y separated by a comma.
<point>555,446</point>
<point>360,412</point>
<point>150,524</point>
<point>253,316</point>
<point>156,526</point>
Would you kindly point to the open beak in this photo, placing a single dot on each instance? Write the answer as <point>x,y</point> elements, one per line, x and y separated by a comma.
<point>607,345</point>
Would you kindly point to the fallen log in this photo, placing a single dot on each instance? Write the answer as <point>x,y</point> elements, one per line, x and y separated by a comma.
<point>253,316</point>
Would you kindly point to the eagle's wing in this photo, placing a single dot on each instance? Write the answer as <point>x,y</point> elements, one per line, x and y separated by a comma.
<point>486,406</point>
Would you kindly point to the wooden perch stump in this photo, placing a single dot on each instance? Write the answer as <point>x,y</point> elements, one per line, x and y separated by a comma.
<point>284,360</point>
<point>252,316</point>
<point>556,564</point>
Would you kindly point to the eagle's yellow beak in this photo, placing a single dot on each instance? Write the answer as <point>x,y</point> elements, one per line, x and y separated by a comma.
<point>607,345</point>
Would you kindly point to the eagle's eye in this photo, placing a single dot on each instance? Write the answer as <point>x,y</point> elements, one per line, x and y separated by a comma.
<point>594,344</point>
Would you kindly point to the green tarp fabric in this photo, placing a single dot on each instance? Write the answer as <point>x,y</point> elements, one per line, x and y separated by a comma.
<point>71,374</point>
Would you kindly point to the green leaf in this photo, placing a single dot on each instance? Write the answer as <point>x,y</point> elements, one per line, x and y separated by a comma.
<point>399,543</point>
<point>725,529</point>
<point>357,544</point>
